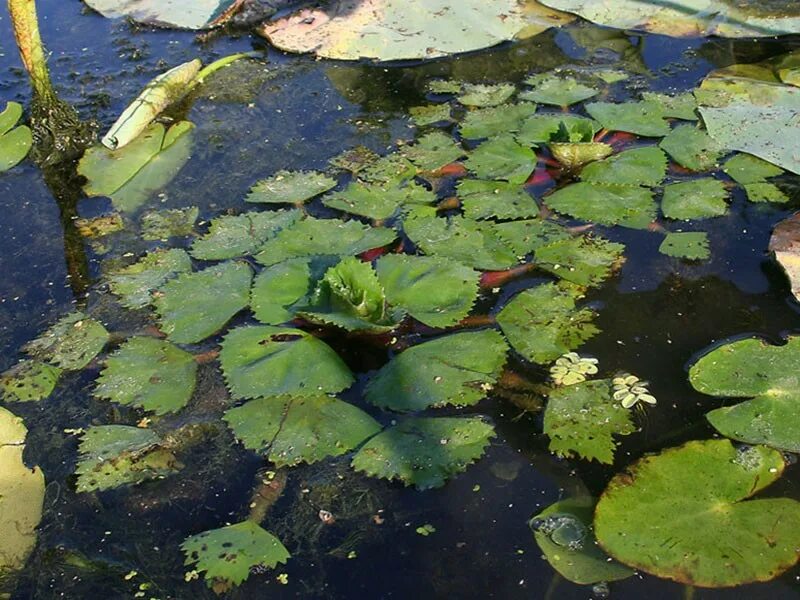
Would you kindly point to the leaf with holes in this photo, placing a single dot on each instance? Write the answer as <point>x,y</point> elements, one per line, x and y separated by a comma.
<point>135,283</point>
<point>696,199</point>
<point>234,236</point>
<point>71,343</point>
<point>29,381</point>
<point>290,187</point>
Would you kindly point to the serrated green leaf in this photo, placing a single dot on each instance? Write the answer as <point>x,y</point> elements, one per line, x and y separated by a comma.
<point>746,168</point>
<point>150,374</point>
<point>640,118</point>
<point>586,261</point>
<point>583,419</point>
<point>197,305</point>
<point>354,160</point>
<point>527,236</point>
<point>228,554</point>
<point>539,129</point>
<point>543,322</point>
<point>430,114</point>
<point>269,361</point>
<point>279,289</point>
<point>488,122</point>
<point>376,201</point>
<point>481,96</point>
<point>765,192</point>
<point>697,199</point>
<point>425,452</point>
<point>288,430</point>
<point>135,283</point>
<point>29,380</point>
<point>625,205</point>
<point>173,222</point>
<point>558,91</point>
<point>234,236</point>
<point>641,166</point>
<point>393,168</point>
<point>445,86</point>
<point>457,369</point>
<point>290,187</point>
<point>433,151</point>
<point>691,245</point>
<point>495,200</point>
<point>502,158</point>
<point>71,343</point>
<point>680,106</point>
<point>692,148</point>
<point>436,291</point>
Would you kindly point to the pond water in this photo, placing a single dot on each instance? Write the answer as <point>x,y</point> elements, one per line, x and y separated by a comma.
<point>296,113</point>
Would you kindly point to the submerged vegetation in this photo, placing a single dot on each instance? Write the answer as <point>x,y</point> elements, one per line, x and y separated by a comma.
<point>361,319</point>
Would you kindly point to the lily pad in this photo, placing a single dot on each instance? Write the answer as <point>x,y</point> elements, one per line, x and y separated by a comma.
<point>565,535</point>
<point>685,514</point>
<point>457,369</point>
<point>115,455</point>
<point>201,14</point>
<point>586,261</point>
<point>543,323</point>
<point>641,118</point>
<point>626,205</point>
<point>15,142</point>
<point>269,361</point>
<point>584,419</point>
<point>21,496</point>
<point>488,122</point>
<point>135,283</point>
<point>196,305</point>
<point>691,245</point>
<point>558,91</point>
<point>241,235</point>
<point>288,431</point>
<point>752,368</point>
<point>279,289</point>
<point>425,452</point>
<point>502,158</point>
<point>388,30</point>
<point>692,148</point>
<point>70,344</point>
<point>641,166</point>
<point>436,291</point>
<point>481,96</point>
<point>290,187</point>
<point>229,554</point>
<point>150,374</point>
<point>495,200</point>
<point>130,175</point>
<point>29,381</point>
<point>697,199</point>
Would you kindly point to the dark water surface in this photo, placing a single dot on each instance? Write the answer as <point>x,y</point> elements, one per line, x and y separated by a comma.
<point>297,113</point>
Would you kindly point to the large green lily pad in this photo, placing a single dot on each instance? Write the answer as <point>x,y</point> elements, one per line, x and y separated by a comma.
<point>288,430</point>
<point>71,343</point>
<point>388,30</point>
<point>197,305</point>
<point>768,374</point>
<point>686,514</point>
<point>425,452</point>
<point>15,142</point>
<point>457,369</point>
<point>148,373</point>
<point>269,361</point>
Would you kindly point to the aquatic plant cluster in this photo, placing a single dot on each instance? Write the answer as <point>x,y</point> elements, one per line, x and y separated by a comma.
<point>411,254</point>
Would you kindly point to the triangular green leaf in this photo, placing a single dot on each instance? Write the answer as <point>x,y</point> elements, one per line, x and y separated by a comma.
<point>495,200</point>
<point>135,283</point>
<point>480,95</point>
<point>691,245</point>
<point>502,158</point>
<point>626,205</point>
<point>640,118</point>
<point>586,261</point>
<point>697,199</point>
<point>290,187</point>
<point>640,166</point>
<point>233,236</point>
<point>70,344</point>
<point>558,91</point>
<point>488,122</point>
<point>433,151</point>
<point>692,148</point>
<point>279,289</point>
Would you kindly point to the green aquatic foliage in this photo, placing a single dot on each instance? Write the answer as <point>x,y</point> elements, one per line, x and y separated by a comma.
<point>458,369</point>
<point>584,419</point>
<point>115,455</point>
<point>393,168</point>
<point>495,200</point>
<point>21,496</point>
<point>640,166</point>
<point>445,86</point>
<point>680,106</point>
<point>430,114</point>
<point>585,261</point>
<point>289,430</point>
<point>574,155</point>
<point>543,323</point>
<point>529,235</point>
<point>29,381</point>
<point>350,296</point>
<point>691,245</point>
<point>696,199</point>
<point>234,236</point>
<point>15,141</point>
<point>279,290</point>
<point>166,224</point>
<point>290,187</point>
<point>556,90</point>
<point>150,374</point>
<point>571,368</point>
<point>228,554</point>
<point>481,96</point>
<point>766,374</point>
<point>499,120</point>
<point>425,452</point>
<point>70,344</point>
<point>686,514</point>
<point>565,536</point>
<point>765,192</point>
<point>311,237</point>
<point>640,118</point>
<point>692,148</point>
<point>541,128</point>
<point>433,151</point>
<point>378,201</point>
<point>746,168</point>
<point>135,283</point>
<point>502,158</point>
<point>436,291</point>
<point>625,205</point>
<point>197,305</point>
<point>630,391</point>
<point>131,175</point>
<point>270,361</point>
